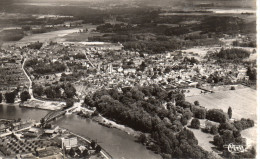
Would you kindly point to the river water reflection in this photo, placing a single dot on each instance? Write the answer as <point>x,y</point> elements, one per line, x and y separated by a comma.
<point>119,144</point>
<point>8,111</point>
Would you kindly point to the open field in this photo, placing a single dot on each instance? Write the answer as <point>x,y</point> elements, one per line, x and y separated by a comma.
<point>192,92</point>
<point>49,36</point>
<point>56,36</point>
<point>197,92</point>
<point>222,88</point>
<point>242,101</point>
<point>201,51</point>
<point>72,34</point>
<point>83,36</point>
<point>251,135</point>
<point>204,138</point>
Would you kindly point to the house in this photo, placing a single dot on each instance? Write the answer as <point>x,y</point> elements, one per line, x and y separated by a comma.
<point>33,130</point>
<point>193,84</point>
<point>49,131</point>
<point>129,70</point>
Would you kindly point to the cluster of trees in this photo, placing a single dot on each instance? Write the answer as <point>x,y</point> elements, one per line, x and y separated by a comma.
<point>69,102</point>
<point>63,90</point>
<point>214,78</point>
<point>50,68</point>
<point>1,97</point>
<point>196,36</point>
<point>233,53</point>
<point>224,25</point>
<point>243,124</point>
<point>227,133</point>
<point>26,27</point>
<point>35,46</point>
<point>216,115</point>
<point>10,97</point>
<point>11,35</point>
<point>245,44</point>
<point>199,112</point>
<point>191,60</point>
<point>176,31</point>
<point>195,123</point>
<point>227,137</point>
<point>142,108</point>
<point>95,146</point>
<point>71,77</point>
<point>252,73</point>
<point>76,151</point>
<point>80,56</point>
<point>107,28</point>
<point>25,96</point>
<point>153,47</point>
<point>45,67</point>
<point>42,30</point>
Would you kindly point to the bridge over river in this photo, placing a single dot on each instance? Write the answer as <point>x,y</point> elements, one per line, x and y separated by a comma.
<point>53,115</point>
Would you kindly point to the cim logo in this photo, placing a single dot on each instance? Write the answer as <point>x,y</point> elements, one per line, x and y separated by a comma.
<point>234,148</point>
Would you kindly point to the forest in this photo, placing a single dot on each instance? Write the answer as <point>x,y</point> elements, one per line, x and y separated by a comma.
<point>164,115</point>
<point>152,33</point>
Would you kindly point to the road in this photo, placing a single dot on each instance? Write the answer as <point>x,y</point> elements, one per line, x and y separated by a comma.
<point>9,133</point>
<point>30,85</point>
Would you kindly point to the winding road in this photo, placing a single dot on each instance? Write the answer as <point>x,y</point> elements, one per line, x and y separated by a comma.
<point>30,85</point>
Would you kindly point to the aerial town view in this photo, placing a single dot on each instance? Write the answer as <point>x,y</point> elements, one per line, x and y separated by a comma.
<point>128,79</point>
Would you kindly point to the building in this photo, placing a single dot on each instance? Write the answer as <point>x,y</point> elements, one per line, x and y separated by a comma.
<point>69,143</point>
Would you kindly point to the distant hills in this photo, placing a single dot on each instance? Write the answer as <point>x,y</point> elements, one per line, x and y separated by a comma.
<point>159,3</point>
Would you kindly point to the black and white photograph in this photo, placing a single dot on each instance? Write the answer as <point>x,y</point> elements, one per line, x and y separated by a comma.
<point>128,79</point>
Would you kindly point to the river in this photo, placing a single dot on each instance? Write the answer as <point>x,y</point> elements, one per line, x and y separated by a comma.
<point>119,144</point>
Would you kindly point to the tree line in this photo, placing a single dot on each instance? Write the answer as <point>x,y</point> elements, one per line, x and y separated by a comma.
<point>10,96</point>
<point>59,91</point>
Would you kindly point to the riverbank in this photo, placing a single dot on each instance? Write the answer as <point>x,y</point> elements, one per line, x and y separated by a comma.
<point>45,105</point>
<point>10,104</point>
<point>50,105</point>
<point>87,113</point>
<point>116,142</point>
<point>111,124</point>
